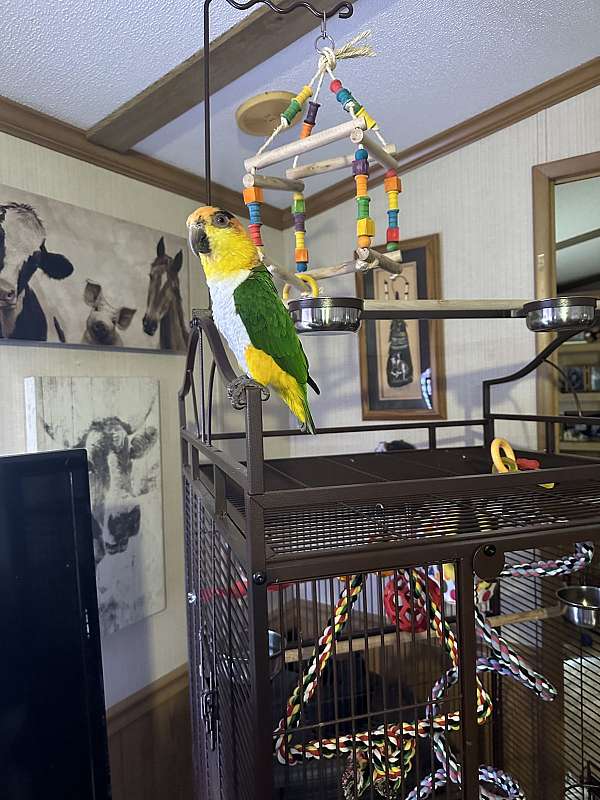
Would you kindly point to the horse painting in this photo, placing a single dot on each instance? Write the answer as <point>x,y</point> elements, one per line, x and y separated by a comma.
<point>164,309</point>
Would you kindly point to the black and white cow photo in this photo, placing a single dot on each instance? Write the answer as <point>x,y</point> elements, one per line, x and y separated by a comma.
<point>75,276</point>
<point>117,421</point>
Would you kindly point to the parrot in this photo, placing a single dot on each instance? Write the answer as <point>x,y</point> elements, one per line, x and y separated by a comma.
<point>248,311</point>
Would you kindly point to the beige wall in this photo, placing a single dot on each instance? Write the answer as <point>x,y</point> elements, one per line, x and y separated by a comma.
<point>479,200</point>
<point>147,650</point>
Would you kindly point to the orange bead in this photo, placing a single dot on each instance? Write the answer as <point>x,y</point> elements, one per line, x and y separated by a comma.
<point>362,182</point>
<point>306,130</point>
<point>392,184</point>
<point>301,255</point>
<point>253,195</point>
<point>364,241</point>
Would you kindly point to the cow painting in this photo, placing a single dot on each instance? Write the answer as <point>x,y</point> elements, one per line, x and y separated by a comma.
<point>22,253</point>
<point>117,421</point>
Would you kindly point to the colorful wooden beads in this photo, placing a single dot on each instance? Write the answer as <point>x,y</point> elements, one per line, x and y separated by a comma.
<point>295,106</point>
<point>392,186</point>
<point>299,215</point>
<point>350,103</point>
<point>365,227</point>
<point>253,197</point>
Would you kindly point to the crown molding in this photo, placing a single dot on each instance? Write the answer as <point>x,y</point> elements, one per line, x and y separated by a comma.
<point>33,126</point>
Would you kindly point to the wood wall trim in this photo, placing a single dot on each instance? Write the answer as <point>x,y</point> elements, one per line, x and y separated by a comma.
<point>544,178</point>
<point>568,84</point>
<point>33,126</point>
<point>127,711</point>
<point>254,40</point>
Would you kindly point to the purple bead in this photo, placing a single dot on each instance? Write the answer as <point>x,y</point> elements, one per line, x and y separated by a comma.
<point>360,167</point>
<point>299,222</point>
<point>311,113</point>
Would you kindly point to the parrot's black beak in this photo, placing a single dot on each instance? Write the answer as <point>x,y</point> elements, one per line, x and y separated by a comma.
<point>198,239</point>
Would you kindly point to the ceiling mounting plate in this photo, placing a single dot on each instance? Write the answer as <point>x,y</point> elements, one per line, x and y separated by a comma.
<point>259,115</point>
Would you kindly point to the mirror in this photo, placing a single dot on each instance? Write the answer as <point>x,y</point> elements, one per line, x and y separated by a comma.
<point>577,259</point>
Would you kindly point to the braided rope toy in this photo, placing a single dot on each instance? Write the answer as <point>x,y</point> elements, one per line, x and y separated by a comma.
<point>382,758</point>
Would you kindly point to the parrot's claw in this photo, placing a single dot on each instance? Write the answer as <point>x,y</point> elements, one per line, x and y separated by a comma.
<point>236,391</point>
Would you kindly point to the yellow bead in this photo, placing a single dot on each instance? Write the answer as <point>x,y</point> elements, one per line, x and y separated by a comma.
<point>393,200</point>
<point>303,95</point>
<point>365,227</point>
<point>298,196</point>
<point>362,112</point>
<point>300,240</point>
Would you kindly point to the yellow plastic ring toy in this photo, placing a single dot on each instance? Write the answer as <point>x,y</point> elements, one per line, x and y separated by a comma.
<point>308,280</point>
<point>500,448</point>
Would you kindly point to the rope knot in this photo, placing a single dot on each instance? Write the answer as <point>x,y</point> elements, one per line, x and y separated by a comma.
<point>328,60</point>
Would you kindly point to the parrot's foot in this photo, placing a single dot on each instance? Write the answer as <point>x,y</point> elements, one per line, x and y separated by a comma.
<point>236,391</point>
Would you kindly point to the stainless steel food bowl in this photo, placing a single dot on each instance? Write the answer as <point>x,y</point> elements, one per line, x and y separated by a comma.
<point>326,314</point>
<point>276,652</point>
<point>560,314</point>
<point>581,605</point>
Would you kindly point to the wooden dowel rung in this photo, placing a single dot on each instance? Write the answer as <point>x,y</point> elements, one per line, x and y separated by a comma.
<point>378,152</point>
<point>300,146</point>
<point>272,182</point>
<point>392,262</point>
<point>375,641</point>
<point>327,165</point>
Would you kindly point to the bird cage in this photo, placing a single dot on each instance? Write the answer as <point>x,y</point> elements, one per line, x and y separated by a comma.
<point>385,624</point>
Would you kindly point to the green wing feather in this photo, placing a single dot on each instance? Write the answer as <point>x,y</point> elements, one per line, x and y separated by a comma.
<point>269,325</point>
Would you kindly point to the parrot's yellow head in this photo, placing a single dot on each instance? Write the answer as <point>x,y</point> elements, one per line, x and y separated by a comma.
<point>221,242</point>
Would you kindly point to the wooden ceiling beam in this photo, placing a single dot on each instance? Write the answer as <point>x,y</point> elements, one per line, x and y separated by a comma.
<point>33,126</point>
<point>251,42</point>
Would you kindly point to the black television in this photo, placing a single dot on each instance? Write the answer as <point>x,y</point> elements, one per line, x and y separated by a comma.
<point>53,741</point>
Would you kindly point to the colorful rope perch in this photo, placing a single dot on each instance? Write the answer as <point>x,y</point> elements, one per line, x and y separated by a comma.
<point>382,758</point>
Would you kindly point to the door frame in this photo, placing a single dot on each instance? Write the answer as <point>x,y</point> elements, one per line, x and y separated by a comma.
<point>544,178</point>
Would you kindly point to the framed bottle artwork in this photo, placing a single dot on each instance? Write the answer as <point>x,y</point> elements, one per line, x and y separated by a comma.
<point>402,360</point>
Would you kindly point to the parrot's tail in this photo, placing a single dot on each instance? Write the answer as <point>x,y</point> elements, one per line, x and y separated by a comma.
<point>294,396</point>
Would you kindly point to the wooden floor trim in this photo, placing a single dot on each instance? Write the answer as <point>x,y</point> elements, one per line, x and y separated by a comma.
<point>33,126</point>
<point>125,712</point>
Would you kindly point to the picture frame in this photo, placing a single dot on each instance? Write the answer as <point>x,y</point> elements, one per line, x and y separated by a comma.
<point>402,373</point>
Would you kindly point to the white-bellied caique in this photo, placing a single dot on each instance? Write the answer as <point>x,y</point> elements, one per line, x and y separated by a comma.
<point>248,311</point>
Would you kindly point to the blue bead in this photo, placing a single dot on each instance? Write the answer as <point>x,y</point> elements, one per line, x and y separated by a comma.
<point>361,153</point>
<point>301,266</point>
<point>343,96</point>
<point>393,218</point>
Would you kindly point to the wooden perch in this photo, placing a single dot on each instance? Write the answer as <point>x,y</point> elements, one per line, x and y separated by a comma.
<point>377,640</point>
<point>389,261</point>
<point>327,165</point>
<point>272,182</point>
<point>441,309</point>
<point>300,146</point>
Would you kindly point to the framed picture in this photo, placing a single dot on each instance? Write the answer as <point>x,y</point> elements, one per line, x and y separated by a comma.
<point>401,361</point>
<point>73,276</point>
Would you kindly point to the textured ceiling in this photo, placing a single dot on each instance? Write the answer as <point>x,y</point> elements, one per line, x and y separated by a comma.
<point>79,59</point>
<point>440,62</point>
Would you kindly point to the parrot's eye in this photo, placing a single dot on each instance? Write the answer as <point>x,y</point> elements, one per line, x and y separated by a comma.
<point>221,219</point>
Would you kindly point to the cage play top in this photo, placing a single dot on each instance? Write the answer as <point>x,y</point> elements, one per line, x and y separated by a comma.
<point>364,134</point>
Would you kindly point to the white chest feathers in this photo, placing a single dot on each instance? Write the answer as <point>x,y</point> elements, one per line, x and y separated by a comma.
<point>226,317</point>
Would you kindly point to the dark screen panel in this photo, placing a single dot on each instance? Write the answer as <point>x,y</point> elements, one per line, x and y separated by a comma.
<point>52,720</point>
